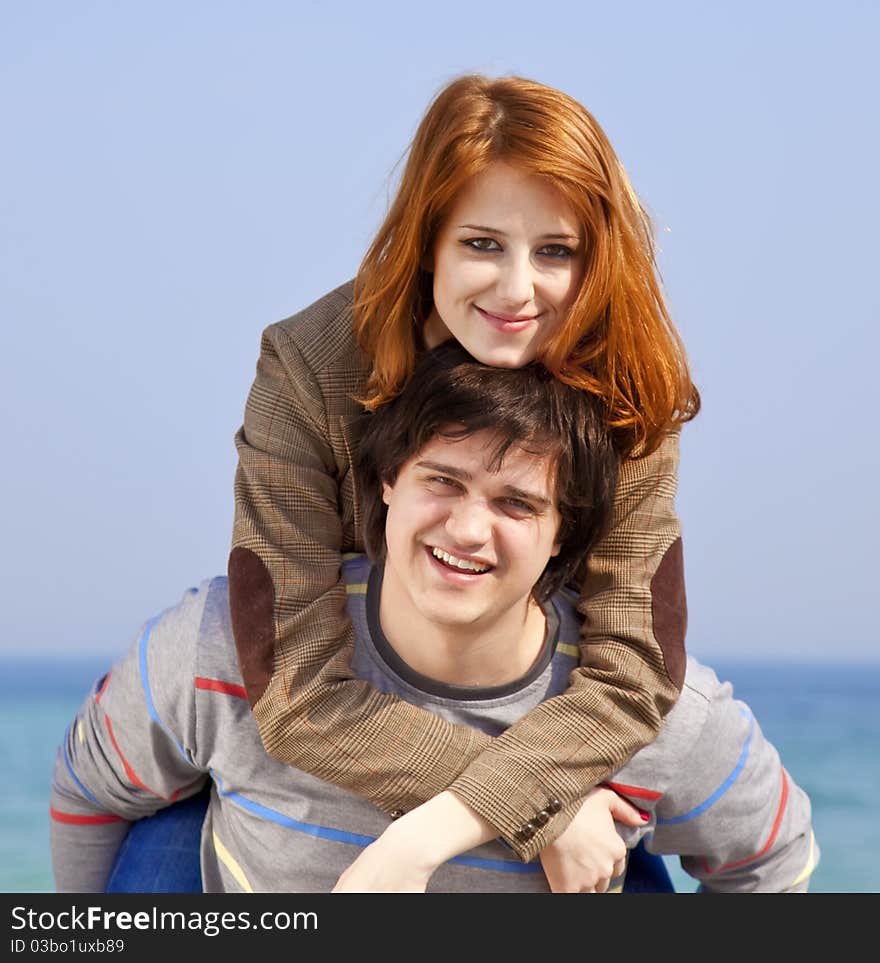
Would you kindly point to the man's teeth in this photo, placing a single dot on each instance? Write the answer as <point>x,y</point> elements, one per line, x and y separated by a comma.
<point>461,563</point>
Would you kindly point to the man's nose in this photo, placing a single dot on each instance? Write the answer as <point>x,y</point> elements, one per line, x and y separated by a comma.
<point>469,524</point>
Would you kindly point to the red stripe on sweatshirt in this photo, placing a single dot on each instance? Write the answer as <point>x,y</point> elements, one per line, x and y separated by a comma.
<point>637,791</point>
<point>771,839</point>
<point>74,820</point>
<point>129,771</point>
<point>227,688</point>
<point>103,688</point>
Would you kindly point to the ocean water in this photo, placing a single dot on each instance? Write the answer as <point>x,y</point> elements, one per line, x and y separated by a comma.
<point>823,719</point>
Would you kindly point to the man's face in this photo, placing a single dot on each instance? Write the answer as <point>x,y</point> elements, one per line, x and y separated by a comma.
<point>467,544</point>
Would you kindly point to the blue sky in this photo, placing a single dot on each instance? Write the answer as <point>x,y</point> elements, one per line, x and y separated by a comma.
<point>176,176</point>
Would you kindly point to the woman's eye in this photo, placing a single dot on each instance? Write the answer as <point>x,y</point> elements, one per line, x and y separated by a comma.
<point>482,244</point>
<point>556,251</point>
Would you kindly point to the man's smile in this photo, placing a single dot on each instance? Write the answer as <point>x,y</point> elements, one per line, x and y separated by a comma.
<point>458,563</point>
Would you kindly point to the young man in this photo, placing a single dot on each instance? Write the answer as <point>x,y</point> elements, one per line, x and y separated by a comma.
<point>481,489</point>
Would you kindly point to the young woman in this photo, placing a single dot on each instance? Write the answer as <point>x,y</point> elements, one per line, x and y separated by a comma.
<point>516,231</point>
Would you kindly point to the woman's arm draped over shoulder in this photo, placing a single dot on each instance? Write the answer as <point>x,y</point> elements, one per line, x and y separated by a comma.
<point>295,514</point>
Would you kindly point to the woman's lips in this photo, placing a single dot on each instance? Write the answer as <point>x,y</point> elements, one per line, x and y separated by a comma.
<point>506,323</point>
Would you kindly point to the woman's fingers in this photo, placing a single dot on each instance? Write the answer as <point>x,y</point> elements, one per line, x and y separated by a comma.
<point>624,812</point>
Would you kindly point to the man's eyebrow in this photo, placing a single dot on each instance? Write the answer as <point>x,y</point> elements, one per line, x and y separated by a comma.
<point>500,233</point>
<point>511,491</point>
<point>445,469</point>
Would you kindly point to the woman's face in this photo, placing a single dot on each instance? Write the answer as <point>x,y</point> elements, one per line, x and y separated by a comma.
<point>507,263</point>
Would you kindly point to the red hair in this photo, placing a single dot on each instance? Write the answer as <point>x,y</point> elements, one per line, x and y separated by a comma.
<point>618,341</point>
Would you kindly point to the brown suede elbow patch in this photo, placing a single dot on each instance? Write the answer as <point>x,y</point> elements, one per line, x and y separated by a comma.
<point>252,608</point>
<point>669,611</point>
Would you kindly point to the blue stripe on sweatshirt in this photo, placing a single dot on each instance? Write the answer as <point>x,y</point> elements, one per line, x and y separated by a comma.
<point>73,775</point>
<point>727,784</point>
<point>357,839</point>
<point>145,684</point>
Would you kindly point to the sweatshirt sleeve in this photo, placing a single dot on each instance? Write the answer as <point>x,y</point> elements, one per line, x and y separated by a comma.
<point>294,641</point>
<point>732,813</point>
<point>129,751</point>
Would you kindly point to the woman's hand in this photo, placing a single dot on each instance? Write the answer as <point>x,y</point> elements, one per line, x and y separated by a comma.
<point>385,866</point>
<point>405,856</point>
<point>590,853</point>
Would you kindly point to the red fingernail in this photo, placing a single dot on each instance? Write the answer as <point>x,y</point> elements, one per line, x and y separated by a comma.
<point>644,815</point>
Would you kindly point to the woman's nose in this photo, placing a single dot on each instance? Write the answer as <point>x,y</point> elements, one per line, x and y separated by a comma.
<point>516,282</point>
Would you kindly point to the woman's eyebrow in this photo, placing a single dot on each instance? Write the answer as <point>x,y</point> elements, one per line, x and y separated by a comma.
<point>482,227</point>
<point>498,231</point>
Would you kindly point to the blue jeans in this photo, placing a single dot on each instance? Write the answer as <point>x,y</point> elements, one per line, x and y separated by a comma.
<point>162,855</point>
<point>646,873</point>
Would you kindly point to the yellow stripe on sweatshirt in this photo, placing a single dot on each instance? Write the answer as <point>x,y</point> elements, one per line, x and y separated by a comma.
<point>811,864</point>
<point>229,862</point>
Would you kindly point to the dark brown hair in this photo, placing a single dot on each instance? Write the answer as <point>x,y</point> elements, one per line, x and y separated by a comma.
<point>453,396</point>
<point>618,341</point>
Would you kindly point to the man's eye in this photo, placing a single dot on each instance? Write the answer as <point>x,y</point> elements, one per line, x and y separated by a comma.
<point>482,244</point>
<point>556,251</point>
<point>443,481</point>
<point>519,506</point>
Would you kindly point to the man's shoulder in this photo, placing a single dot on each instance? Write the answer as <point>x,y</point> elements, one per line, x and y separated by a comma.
<point>197,628</point>
<point>701,685</point>
<point>356,568</point>
<point>700,681</point>
<point>701,691</point>
<point>703,701</point>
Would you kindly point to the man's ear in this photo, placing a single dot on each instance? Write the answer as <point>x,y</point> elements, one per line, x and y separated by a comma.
<point>386,493</point>
<point>555,550</point>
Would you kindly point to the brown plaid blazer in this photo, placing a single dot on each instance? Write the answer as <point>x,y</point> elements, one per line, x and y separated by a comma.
<point>296,512</point>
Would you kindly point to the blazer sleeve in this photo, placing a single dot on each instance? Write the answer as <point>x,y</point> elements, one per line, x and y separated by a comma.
<point>294,641</point>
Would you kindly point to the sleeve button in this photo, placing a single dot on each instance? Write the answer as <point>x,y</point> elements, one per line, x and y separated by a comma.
<point>554,806</point>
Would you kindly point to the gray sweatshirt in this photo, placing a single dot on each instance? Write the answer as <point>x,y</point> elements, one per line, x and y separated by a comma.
<point>172,715</point>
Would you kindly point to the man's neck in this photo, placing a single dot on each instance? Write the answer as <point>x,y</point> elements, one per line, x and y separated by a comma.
<point>483,654</point>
